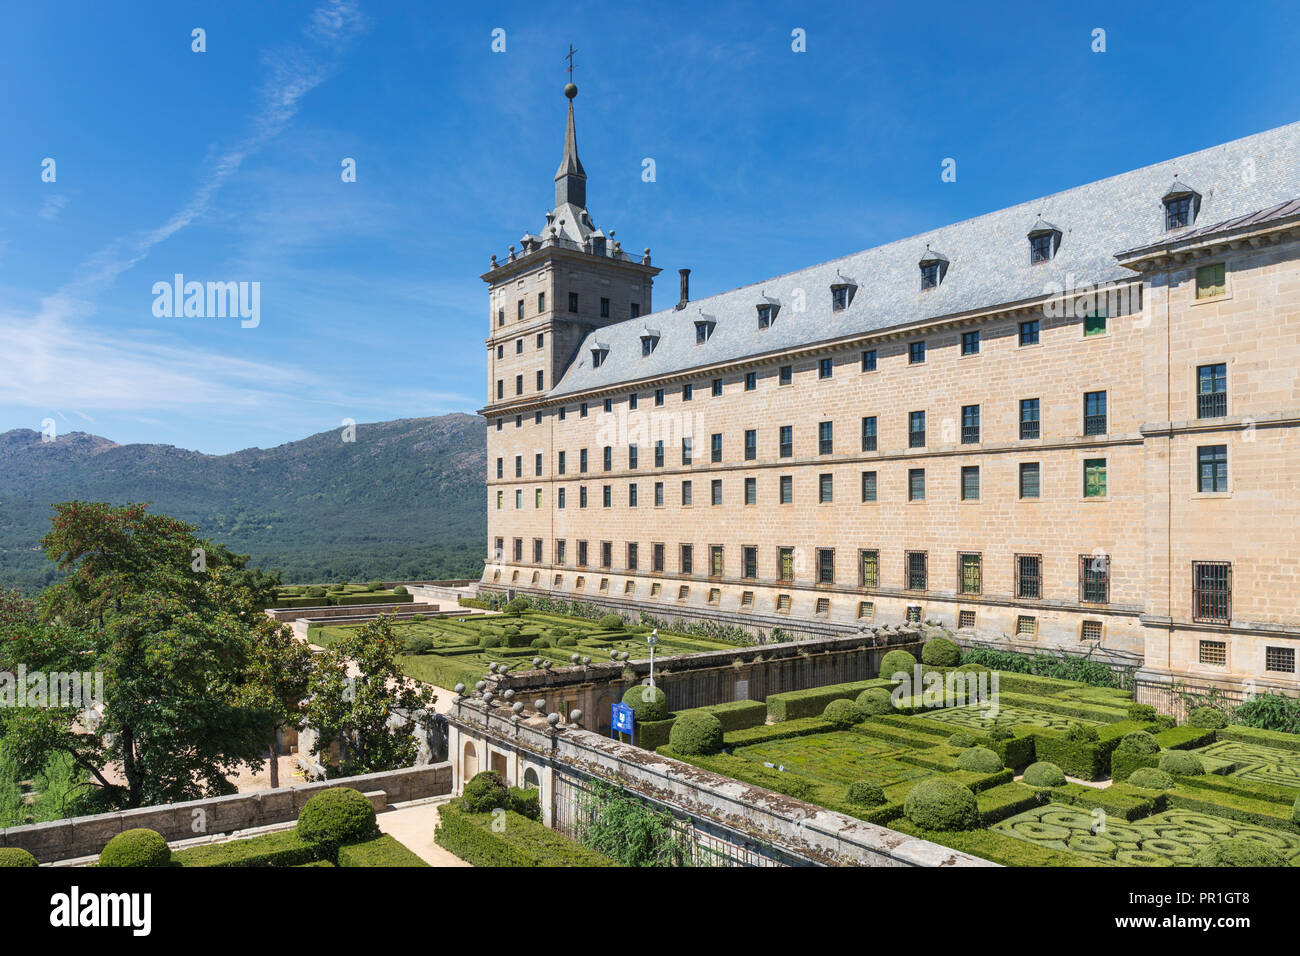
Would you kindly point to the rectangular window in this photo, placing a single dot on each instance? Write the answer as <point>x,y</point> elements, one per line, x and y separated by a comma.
<point>715,560</point>
<point>573,302</point>
<point>749,562</point>
<point>500,496</point>
<point>687,451</point>
<point>1094,477</point>
<point>1029,576</point>
<point>1029,332</point>
<point>636,309</point>
<point>1211,281</point>
<point>866,610</point>
<point>751,381</point>
<point>560,498</point>
<point>633,456</point>
<point>970,343</point>
<point>1212,468</point>
<point>631,556</point>
<point>715,448</point>
<point>825,565</point>
<point>519,308</point>
<point>1094,413</point>
<point>915,353</point>
<point>1279,660</point>
<point>606,493</point>
<point>785,564</point>
<point>965,620</point>
<point>688,392</point>
<point>631,495</point>
<point>751,444</point>
<point>715,491</point>
<point>606,554</point>
<point>970,483</point>
<point>559,551</point>
<point>1029,425</point>
<point>519,385</point>
<point>916,430</point>
<point>687,559</point>
<point>541,380</point>
<point>1212,391</point>
<point>787,441</point>
<point>657,558</point>
<point>686,494</point>
<point>1094,323</point>
<point>607,458</point>
<point>751,491</point>
<point>519,466</point>
<point>659,397</point>
<point>825,368</point>
<point>1214,653</point>
<point>839,298</point>
<point>913,614</point>
<point>825,489</point>
<point>717,387</point>
<point>869,433</point>
<point>537,464</point>
<point>582,410</point>
<point>659,453</point>
<point>869,360</point>
<point>764,316</point>
<point>1026,626</point>
<point>868,486</point>
<point>537,550</point>
<point>786,375</point>
<point>632,401</point>
<point>1094,579</point>
<point>970,573</point>
<point>970,424</point>
<point>659,494</point>
<point>604,307</point>
<point>560,462</point>
<point>582,460</point>
<point>825,438</point>
<point>1029,479</point>
<point>500,464</point>
<point>823,607</point>
<point>869,569</point>
<point>787,489</point>
<point>582,554</point>
<point>1212,591</point>
<point>1090,631</point>
<point>917,571</point>
<point>582,496</point>
<point>916,484</point>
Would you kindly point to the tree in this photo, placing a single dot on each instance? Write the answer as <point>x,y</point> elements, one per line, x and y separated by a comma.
<point>360,699</point>
<point>171,636</point>
<point>276,680</point>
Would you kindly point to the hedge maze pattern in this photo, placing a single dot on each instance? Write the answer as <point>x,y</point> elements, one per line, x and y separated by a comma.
<point>840,758</point>
<point>1261,764</point>
<point>1172,838</point>
<point>977,717</point>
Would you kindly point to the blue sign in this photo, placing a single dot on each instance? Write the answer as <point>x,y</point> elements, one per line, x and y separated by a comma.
<point>620,718</point>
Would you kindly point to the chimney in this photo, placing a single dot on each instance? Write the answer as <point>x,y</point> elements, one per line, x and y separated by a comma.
<point>686,288</point>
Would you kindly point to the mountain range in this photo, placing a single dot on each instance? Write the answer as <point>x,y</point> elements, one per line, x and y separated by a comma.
<point>403,500</point>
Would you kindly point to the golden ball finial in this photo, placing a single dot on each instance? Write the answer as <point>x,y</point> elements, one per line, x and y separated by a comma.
<point>571,90</point>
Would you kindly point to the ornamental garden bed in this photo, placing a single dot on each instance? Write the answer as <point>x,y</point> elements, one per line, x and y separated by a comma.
<point>1194,790</point>
<point>446,651</point>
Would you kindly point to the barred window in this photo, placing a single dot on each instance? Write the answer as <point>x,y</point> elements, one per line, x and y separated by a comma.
<point>715,595</point>
<point>747,599</point>
<point>1280,660</point>
<point>1029,576</point>
<point>751,491</point>
<point>823,607</point>
<point>751,444</point>
<point>683,593</point>
<point>1212,391</point>
<point>787,489</point>
<point>869,433</point>
<point>783,603</point>
<point>826,489</point>
<point>916,430</point>
<point>657,558</point>
<point>787,441</point>
<point>1091,631</point>
<point>687,560</point>
<point>825,438</point>
<point>1026,626</point>
<point>913,614</point>
<point>1214,653</point>
<point>866,610</point>
<point>749,562</point>
<point>965,619</point>
<point>917,572</point>
<point>631,556</point>
<point>916,484</point>
<point>1029,484</point>
<point>1094,413</point>
<point>825,565</point>
<point>970,424</point>
<point>1094,578</point>
<point>715,560</point>
<point>970,483</point>
<point>869,569</point>
<point>1212,591</point>
<point>868,486</point>
<point>785,564</point>
<point>969,573</point>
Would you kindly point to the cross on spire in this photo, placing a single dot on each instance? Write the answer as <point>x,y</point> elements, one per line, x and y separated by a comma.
<point>569,57</point>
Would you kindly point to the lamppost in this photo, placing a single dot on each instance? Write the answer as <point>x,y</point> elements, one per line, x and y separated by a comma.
<point>653,639</point>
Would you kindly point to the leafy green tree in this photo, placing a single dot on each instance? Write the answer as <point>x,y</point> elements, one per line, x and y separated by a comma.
<point>276,680</point>
<point>360,699</point>
<point>171,636</point>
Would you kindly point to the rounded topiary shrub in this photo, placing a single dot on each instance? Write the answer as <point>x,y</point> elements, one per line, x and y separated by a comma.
<point>863,794</point>
<point>1151,778</point>
<point>1138,742</point>
<point>980,760</point>
<point>1182,764</point>
<point>1081,733</point>
<point>696,732</point>
<point>1141,712</point>
<point>647,703</point>
<point>375,586</point>
<point>962,740</point>
<point>316,592</point>
<point>1207,718</point>
<point>400,591</point>
<point>419,644</point>
<point>337,815</point>
<point>940,652</point>
<point>875,700</point>
<point>15,856</point>
<point>842,714</point>
<point>139,847</point>
<point>895,661</point>
<point>1044,774</point>
<point>610,622</point>
<point>941,804</point>
<point>1239,852</point>
<point>566,640</point>
<point>491,640</point>
<point>485,792</point>
<point>973,668</point>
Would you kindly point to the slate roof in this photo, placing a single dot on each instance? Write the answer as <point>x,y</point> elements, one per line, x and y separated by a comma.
<point>988,264</point>
<point>1260,217</point>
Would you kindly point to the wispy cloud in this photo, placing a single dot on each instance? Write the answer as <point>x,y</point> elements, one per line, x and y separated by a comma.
<point>53,205</point>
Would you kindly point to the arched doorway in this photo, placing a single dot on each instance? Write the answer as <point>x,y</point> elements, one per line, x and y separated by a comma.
<point>469,765</point>
<point>531,782</point>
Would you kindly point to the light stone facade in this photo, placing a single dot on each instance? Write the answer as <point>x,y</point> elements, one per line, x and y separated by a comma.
<point>1027,557</point>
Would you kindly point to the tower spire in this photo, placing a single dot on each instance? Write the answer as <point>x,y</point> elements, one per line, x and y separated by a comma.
<point>571,178</point>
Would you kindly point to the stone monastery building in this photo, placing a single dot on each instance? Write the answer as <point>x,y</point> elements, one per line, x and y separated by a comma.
<point>1073,420</point>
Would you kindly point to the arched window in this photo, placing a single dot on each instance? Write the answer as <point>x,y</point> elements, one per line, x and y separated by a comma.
<point>469,766</point>
<point>530,780</point>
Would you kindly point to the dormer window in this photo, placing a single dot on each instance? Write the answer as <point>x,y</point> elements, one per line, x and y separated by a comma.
<point>934,266</point>
<point>703,330</point>
<point>1182,203</point>
<point>840,296</point>
<point>766,314</point>
<point>598,355</point>
<point>648,343</point>
<point>1044,241</point>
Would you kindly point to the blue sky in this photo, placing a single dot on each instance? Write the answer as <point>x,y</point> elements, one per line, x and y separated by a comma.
<point>225,166</point>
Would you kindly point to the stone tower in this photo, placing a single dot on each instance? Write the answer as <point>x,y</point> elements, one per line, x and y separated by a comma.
<point>555,288</point>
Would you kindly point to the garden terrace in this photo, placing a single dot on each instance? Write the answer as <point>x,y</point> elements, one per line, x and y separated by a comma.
<point>339,595</point>
<point>1199,785</point>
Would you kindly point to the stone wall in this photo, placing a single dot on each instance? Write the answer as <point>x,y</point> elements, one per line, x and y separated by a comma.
<point>734,822</point>
<point>84,836</point>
